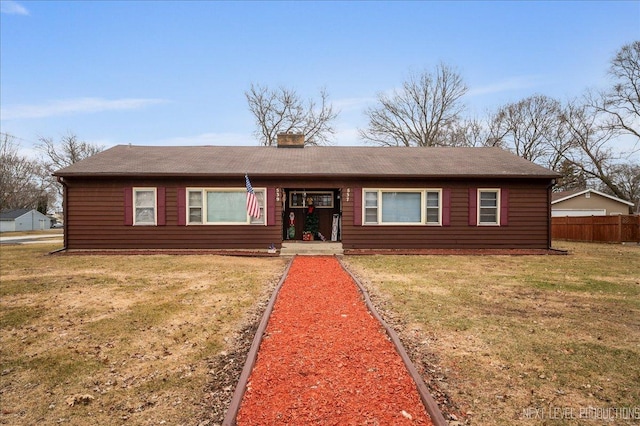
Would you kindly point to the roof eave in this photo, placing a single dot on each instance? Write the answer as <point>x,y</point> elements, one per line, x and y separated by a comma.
<point>602,194</point>
<point>311,175</point>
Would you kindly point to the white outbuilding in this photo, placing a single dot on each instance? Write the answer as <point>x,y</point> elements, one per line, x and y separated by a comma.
<point>23,220</point>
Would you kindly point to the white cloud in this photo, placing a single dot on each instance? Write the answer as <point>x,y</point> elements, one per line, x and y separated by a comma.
<point>74,106</point>
<point>10,7</point>
<point>508,85</point>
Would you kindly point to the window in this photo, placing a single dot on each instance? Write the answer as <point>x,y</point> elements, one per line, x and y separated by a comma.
<point>433,207</point>
<point>488,206</point>
<point>321,199</point>
<point>371,207</point>
<point>402,207</point>
<point>222,206</point>
<point>144,206</point>
<point>226,206</point>
<point>195,206</point>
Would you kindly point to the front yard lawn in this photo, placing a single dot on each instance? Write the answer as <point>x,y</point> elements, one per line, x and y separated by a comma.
<point>515,340</point>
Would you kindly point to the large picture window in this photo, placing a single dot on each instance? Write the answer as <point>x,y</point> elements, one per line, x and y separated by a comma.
<point>222,206</point>
<point>226,207</point>
<point>144,206</point>
<point>402,207</point>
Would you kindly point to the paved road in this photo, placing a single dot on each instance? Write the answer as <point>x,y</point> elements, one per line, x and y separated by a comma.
<point>31,239</point>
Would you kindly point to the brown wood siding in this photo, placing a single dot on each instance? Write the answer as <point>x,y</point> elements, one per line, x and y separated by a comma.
<point>528,224</point>
<point>96,211</point>
<point>95,217</point>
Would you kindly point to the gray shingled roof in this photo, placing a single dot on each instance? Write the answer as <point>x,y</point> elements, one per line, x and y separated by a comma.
<point>13,213</point>
<point>127,160</point>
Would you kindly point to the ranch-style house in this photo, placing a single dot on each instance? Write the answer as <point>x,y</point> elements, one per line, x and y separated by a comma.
<point>366,198</point>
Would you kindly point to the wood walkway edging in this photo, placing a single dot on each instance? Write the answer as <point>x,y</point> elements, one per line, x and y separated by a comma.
<point>430,404</point>
<point>252,355</point>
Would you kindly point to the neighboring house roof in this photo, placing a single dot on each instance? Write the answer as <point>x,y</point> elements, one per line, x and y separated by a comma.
<point>558,197</point>
<point>127,160</point>
<point>13,214</point>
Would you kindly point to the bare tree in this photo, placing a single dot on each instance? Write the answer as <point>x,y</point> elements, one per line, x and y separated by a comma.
<point>573,177</point>
<point>420,113</point>
<point>532,129</point>
<point>63,153</point>
<point>621,103</point>
<point>67,151</point>
<point>581,140</point>
<point>472,132</point>
<point>626,176</point>
<point>21,183</point>
<point>597,122</point>
<point>283,111</point>
<point>591,143</point>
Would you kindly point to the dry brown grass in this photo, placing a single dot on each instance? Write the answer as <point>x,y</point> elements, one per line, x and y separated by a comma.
<point>115,339</point>
<point>522,340</point>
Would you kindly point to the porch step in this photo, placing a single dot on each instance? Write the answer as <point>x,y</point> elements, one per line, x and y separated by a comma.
<point>311,248</point>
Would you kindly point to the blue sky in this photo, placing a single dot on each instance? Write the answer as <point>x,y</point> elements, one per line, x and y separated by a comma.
<point>169,73</point>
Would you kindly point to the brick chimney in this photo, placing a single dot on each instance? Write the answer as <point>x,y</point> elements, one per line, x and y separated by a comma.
<point>290,140</point>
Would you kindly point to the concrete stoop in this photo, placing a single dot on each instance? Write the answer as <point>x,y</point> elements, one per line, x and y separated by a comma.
<point>311,248</point>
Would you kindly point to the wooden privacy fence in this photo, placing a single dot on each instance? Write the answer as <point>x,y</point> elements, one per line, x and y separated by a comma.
<point>610,229</point>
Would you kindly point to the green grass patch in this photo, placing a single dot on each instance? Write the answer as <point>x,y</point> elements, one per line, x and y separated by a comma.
<point>139,316</point>
<point>60,366</point>
<point>19,316</point>
<point>585,284</point>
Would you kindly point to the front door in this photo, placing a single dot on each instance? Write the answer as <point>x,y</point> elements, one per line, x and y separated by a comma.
<point>326,205</point>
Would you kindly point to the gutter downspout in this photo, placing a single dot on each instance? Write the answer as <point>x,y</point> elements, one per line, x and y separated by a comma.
<point>549,224</point>
<point>64,214</point>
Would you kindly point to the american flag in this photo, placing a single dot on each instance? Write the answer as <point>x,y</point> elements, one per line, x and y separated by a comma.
<point>253,208</point>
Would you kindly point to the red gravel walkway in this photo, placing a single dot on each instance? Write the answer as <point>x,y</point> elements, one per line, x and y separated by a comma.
<point>325,360</point>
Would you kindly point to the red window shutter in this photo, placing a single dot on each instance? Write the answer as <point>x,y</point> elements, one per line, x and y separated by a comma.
<point>504,207</point>
<point>128,206</point>
<point>271,206</point>
<point>182,206</point>
<point>357,206</point>
<point>161,203</point>
<point>446,207</point>
<point>473,206</point>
